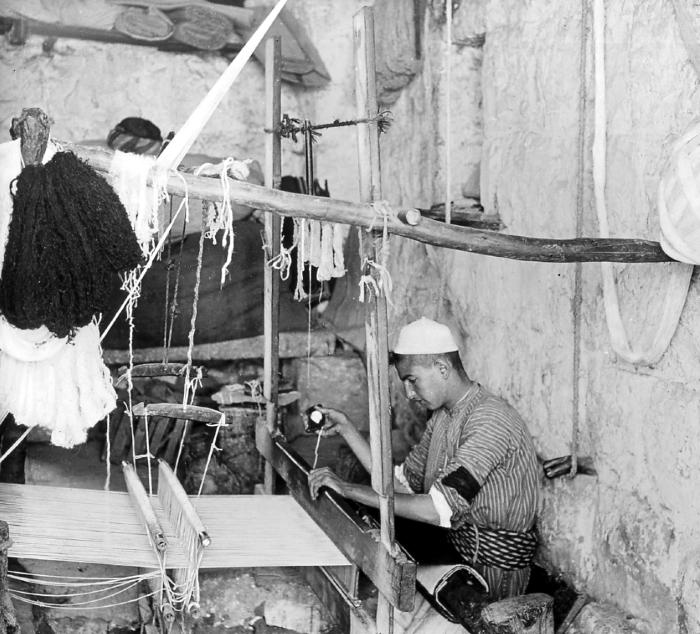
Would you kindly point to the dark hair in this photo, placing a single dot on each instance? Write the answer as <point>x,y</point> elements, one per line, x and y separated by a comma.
<point>451,358</point>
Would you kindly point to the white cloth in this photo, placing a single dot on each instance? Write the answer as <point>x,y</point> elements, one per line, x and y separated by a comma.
<point>61,385</point>
<point>440,503</point>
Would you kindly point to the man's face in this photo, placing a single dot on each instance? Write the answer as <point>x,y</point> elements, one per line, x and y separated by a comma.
<point>424,383</point>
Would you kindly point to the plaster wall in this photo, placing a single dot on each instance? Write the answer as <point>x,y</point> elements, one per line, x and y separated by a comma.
<point>630,535</point>
<point>88,87</point>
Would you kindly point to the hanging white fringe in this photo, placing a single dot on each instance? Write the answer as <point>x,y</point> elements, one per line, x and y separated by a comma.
<point>338,257</point>
<point>677,288</point>
<point>130,175</point>
<point>325,264</point>
<point>301,240</point>
<point>222,216</point>
<point>314,244</point>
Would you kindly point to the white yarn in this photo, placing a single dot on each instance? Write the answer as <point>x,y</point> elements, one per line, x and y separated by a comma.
<point>129,175</point>
<point>677,289</point>
<point>67,392</point>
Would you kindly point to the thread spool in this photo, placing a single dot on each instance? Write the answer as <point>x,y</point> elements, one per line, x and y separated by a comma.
<point>314,419</point>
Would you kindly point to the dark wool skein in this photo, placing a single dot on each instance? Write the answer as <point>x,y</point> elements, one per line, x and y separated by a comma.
<point>68,237</point>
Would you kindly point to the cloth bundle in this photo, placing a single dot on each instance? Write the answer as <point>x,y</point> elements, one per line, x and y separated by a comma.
<point>69,234</point>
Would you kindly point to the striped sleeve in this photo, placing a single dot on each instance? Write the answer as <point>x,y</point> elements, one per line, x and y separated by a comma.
<point>486,443</point>
<point>414,465</point>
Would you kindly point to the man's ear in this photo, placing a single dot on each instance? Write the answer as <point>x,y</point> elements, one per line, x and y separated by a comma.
<point>443,367</point>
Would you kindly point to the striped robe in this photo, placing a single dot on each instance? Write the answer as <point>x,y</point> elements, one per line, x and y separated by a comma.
<point>486,436</point>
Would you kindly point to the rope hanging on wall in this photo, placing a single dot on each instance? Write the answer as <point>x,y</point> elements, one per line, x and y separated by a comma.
<point>677,288</point>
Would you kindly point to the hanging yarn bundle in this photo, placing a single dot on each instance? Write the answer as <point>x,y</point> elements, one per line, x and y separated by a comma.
<point>68,235</point>
<point>56,383</point>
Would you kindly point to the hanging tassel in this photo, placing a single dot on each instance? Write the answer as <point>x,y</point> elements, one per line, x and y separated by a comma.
<point>129,175</point>
<point>325,266</point>
<point>68,235</point>
<point>301,240</point>
<point>338,257</point>
<point>314,242</point>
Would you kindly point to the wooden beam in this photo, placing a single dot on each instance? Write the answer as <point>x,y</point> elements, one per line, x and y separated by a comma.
<point>178,410</point>
<point>427,231</point>
<point>273,226</point>
<point>356,536</point>
<point>376,325</point>
<point>292,345</point>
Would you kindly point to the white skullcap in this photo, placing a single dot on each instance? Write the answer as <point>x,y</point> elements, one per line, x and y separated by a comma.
<point>425,336</point>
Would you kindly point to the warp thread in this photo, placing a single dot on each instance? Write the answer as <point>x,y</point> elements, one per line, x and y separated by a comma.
<point>69,234</point>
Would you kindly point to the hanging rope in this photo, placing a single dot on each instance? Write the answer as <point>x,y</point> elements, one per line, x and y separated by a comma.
<point>677,287</point>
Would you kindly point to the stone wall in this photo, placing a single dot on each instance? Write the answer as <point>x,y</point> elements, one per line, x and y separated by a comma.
<point>628,536</point>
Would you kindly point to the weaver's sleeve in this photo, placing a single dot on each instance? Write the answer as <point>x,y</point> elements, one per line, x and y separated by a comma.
<point>414,465</point>
<point>483,447</point>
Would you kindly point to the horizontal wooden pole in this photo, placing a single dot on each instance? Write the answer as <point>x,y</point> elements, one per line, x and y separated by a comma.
<point>427,231</point>
<point>356,537</point>
<point>177,410</point>
<point>292,345</point>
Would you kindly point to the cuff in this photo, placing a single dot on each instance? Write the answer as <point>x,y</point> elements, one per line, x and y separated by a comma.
<point>401,477</point>
<point>441,506</point>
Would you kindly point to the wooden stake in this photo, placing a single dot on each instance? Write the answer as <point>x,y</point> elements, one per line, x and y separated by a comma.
<point>376,327</point>
<point>273,177</point>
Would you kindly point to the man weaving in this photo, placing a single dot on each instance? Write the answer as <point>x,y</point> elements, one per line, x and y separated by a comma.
<point>473,472</point>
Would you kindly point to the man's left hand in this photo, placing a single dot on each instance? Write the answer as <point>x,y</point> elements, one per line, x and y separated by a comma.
<point>324,477</point>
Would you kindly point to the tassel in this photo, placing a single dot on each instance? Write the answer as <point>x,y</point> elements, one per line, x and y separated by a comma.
<point>325,266</point>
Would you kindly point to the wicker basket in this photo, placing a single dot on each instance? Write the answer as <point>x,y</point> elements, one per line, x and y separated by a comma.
<point>150,25</point>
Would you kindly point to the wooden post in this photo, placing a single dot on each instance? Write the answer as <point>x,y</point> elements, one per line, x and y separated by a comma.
<point>273,223</point>
<point>8,620</point>
<point>376,327</point>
